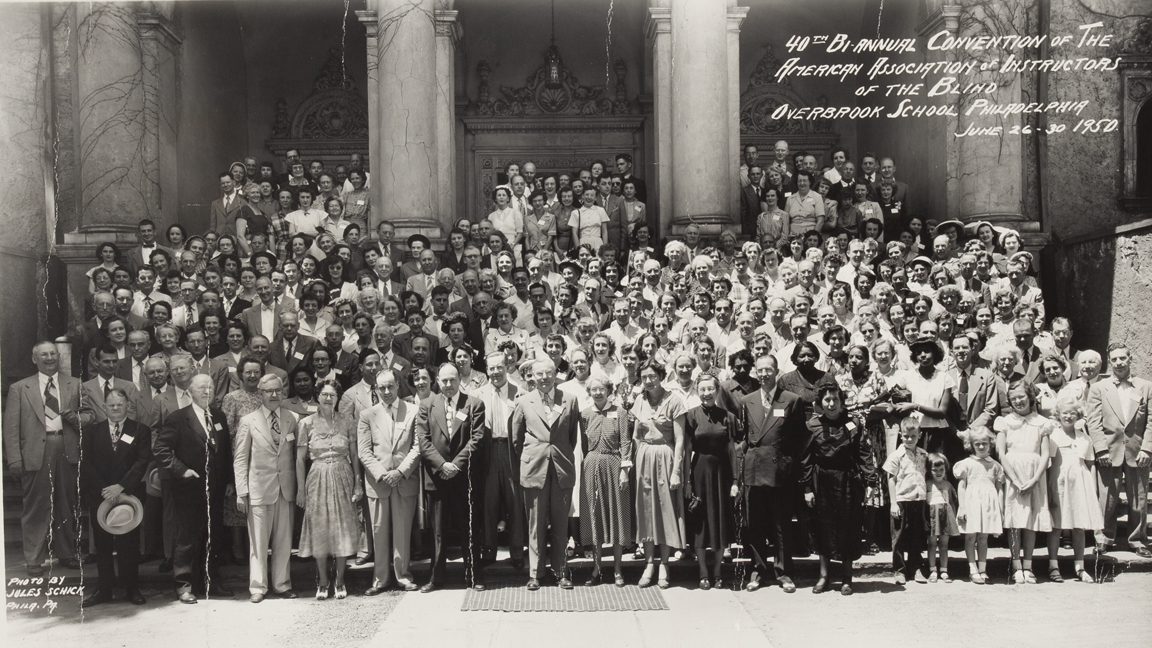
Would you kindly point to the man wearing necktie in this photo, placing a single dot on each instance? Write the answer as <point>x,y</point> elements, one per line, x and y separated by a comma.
<point>450,428</point>
<point>264,461</point>
<point>116,454</point>
<point>42,420</point>
<point>97,389</point>
<point>387,447</point>
<point>1121,432</point>
<point>504,499</point>
<point>193,450</point>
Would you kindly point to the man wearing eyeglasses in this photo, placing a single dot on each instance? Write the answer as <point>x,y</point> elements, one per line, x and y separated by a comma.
<point>265,468</point>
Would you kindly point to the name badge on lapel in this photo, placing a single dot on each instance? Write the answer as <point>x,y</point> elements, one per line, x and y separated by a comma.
<point>231,369</point>
<point>218,427</point>
<point>127,438</point>
<point>290,437</point>
<point>310,408</point>
<point>460,416</point>
<point>850,427</point>
<point>613,414</point>
<point>298,355</point>
<point>396,366</point>
<point>778,412</point>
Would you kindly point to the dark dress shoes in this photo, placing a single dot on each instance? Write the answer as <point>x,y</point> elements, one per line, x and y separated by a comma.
<point>565,583</point>
<point>375,590</point>
<point>96,598</point>
<point>362,560</point>
<point>187,597</point>
<point>428,587</point>
<point>286,594</point>
<point>135,597</point>
<point>533,585</point>
<point>478,586</point>
<point>1142,551</point>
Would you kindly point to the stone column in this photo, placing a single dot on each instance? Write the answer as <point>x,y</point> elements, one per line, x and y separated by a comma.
<point>368,18</point>
<point>974,193</point>
<point>736,16</point>
<point>702,162</point>
<point>405,171</point>
<point>658,29</point>
<point>448,33</point>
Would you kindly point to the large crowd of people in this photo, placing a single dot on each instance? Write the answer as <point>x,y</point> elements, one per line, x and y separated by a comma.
<point>834,374</point>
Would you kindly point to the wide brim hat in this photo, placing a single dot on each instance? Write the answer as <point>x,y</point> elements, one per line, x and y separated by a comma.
<point>152,482</point>
<point>930,345</point>
<point>575,265</point>
<point>121,515</point>
<point>942,227</point>
<point>921,260</point>
<point>1023,254</point>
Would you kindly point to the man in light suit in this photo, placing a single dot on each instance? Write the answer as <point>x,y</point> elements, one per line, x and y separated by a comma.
<point>42,420</point>
<point>131,368</point>
<point>391,457</point>
<point>262,318</point>
<point>450,428</point>
<point>223,381</point>
<point>768,444</point>
<point>544,425</point>
<point>974,391</point>
<point>97,389</point>
<point>614,206</point>
<point>356,399</point>
<point>504,499</point>
<point>265,464</point>
<point>1121,431</point>
<point>225,208</point>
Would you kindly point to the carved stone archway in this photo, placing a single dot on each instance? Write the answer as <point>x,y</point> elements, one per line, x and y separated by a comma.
<point>763,95</point>
<point>328,125</point>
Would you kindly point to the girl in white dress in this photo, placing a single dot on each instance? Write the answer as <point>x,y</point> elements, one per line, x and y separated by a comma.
<point>1022,441</point>
<point>1072,487</point>
<point>980,485</point>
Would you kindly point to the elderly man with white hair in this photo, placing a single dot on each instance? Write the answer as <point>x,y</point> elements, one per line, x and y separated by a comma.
<point>265,468</point>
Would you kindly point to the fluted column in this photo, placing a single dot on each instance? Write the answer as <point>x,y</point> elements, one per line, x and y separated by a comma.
<point>658,29</point>
<point>448,34</point>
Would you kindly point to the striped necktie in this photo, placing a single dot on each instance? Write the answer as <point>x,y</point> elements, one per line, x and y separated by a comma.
<point>51,403</point>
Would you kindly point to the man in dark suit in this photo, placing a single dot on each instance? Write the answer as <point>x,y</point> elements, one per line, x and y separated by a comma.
<point>42,420</point>
<point>750,201</point>
<point>225,208</point>
<point>1121,433</point>
<point>450,427</point>
<point>194,451</point>
<point>384,280</point>
<point>94,332</point>
<point>116,453</point>
<point>544,425</point>
<point>504,499</point>
<point>290,350</point>
<point>624,169</point>
<point>196,342</point>
<point>888,175</point>
<point>229,303</point>
<point>768,444</point>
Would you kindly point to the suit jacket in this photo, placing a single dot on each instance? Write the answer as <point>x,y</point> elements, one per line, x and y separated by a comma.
<point>221,219</point>
<point>395,286</point>
<point>135,258</point>
<point>419,283</point>
<point>545,435</point>
<point>182,443</point>
<point>24,421</point>
<point>148,408</point>
<point>617,221</point>
<point>749,209</point>
<point>94,392</point>
<point>443,441</point>
<point>982,399</point>
<point>769,441</point>
<point>105,465</point>
<point>265,466</point>
<point>251,318</point>
<point>302,348</point>
<point>238,306</point>
<point>223,381</point>
<point>385,443</point>
<point>1122,437</point>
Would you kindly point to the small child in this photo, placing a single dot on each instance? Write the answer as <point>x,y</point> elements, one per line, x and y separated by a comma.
<point>1071,488</point>
<point>941,516</point>
<point>906,468</point>
<point>981,496</point>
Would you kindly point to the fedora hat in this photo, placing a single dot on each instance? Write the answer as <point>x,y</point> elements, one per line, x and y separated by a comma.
<point>121,515</point>
<point>152,482</point>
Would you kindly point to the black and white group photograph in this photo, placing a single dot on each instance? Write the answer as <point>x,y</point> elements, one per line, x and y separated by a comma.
<point>527,323</point>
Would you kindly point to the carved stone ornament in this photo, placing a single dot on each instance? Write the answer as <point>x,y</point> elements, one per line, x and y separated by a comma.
<point>1140,41</point>
<point>334,110</point>
<point>551,90</point>
<point>763,95</point>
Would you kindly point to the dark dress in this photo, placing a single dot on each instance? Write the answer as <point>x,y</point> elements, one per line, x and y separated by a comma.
<point>836,466</point>
<point>709,430</point>
<point>605,505</point>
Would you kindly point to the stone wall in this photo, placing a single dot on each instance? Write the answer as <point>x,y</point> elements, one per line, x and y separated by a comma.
<point>1104,286</point>
<point>23,237</point>
<point>1084,171</point>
